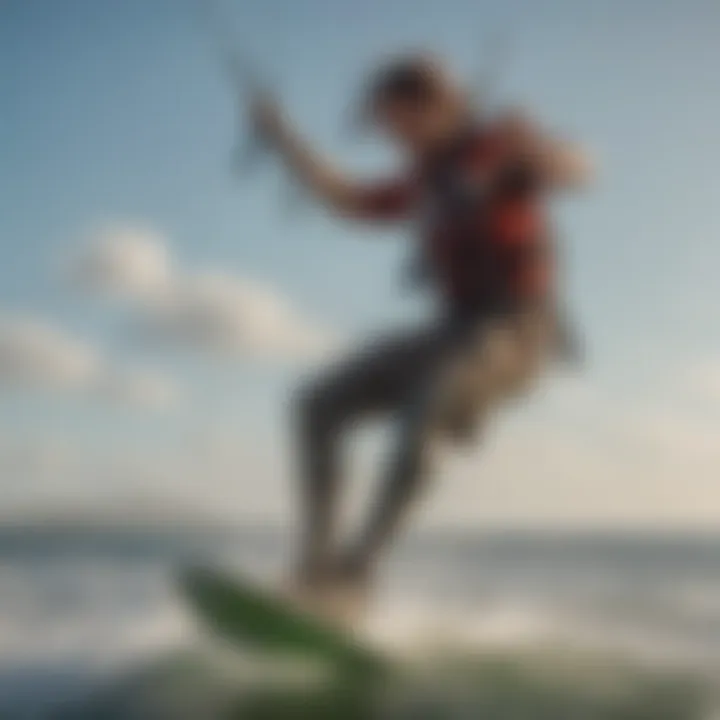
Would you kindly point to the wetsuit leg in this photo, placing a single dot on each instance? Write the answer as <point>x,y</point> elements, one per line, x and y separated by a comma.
<point>375,380</point>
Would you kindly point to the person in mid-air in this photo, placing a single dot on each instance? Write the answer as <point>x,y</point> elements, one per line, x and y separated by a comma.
<point>477,189</point>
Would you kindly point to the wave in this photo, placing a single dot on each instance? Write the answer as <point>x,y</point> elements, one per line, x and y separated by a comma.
<point>534,685</point>
<point>511,630</point>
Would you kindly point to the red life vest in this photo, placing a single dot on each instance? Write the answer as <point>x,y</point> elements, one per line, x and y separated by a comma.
<point>484,232</point>
<point>483,226</point>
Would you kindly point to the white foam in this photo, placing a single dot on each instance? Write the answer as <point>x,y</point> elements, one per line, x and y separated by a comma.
<point>518,625</point>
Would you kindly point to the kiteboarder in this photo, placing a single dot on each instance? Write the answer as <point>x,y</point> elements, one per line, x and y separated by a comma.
<point>477,189</point>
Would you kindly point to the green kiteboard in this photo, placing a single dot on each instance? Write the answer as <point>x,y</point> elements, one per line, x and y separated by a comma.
<point>242,613</point>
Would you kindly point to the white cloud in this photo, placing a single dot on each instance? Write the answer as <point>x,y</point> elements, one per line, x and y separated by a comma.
<point>36,355</point>
<point>127,262</point>
<point>218,312</point>
<point>212,311</point>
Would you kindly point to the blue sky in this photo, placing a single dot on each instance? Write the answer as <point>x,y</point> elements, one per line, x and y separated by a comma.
<point>117,113</point>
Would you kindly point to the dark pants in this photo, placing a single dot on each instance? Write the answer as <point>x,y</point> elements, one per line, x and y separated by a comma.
<point>436,382</point>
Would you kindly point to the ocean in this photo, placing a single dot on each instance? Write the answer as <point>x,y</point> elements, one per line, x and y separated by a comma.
<point>487,625</point>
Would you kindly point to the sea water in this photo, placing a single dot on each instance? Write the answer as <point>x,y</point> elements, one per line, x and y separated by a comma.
<point>91,618</point>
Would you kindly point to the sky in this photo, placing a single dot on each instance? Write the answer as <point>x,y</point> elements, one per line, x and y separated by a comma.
<point>156,310</point>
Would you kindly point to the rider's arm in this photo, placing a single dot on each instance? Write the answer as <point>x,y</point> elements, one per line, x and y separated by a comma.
<point>338,192</point>
<point>316,174</point>
<point>542,160</point>
<point>565,165</point>
<point>383,201</point>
